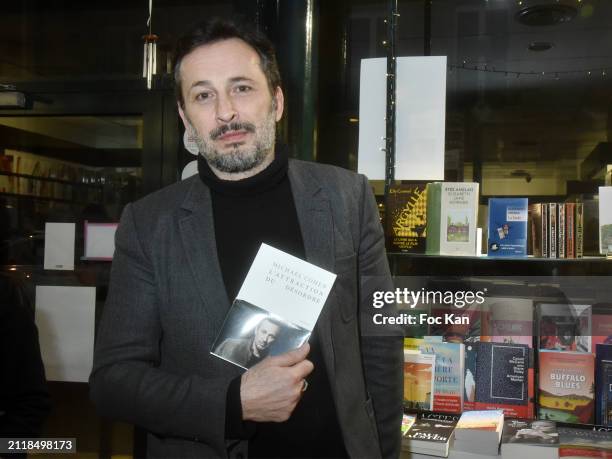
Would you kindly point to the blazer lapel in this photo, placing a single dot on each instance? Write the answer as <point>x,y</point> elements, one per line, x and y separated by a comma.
<point>198,236</point>
<point>316,223</point>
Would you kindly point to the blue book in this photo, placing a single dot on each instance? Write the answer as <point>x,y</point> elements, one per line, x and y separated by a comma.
<point>508,227</point>
<point>603,385</point>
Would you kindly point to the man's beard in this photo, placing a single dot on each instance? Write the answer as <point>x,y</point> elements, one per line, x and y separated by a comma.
<point>240,158</point>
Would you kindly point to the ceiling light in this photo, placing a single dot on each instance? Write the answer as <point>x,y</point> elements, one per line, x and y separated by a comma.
<point>546,15</point>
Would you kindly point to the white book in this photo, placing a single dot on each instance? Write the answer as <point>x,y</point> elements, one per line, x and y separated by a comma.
<point>605,220</point>
<point>275,310</point>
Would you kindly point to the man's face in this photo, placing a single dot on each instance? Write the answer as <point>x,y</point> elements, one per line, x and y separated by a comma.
<point>265,334</point>
<point>228,105</point>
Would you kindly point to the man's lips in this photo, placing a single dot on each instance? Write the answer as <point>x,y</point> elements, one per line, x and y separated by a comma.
<point>232,136</point>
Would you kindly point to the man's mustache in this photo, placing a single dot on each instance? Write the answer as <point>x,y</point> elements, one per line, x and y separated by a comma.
<point>235,126</point>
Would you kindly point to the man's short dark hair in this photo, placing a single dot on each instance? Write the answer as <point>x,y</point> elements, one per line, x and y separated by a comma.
<point>214,30</point>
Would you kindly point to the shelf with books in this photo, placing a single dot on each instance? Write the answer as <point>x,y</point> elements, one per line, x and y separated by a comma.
<point>50,179</point>
<point>419,264</point>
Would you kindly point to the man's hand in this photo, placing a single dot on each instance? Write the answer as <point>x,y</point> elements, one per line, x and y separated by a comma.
<point>270,390</point>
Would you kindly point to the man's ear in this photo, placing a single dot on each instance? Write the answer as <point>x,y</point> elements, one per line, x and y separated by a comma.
<point>279,99</point>
<point>186,122</point>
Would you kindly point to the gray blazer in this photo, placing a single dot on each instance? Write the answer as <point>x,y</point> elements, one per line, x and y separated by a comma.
<point>166,303</point>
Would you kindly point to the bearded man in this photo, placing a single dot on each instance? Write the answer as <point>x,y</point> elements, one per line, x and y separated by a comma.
<point>182,253</point>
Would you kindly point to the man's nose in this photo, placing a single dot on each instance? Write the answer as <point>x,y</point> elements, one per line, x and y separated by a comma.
<point>225,109</point>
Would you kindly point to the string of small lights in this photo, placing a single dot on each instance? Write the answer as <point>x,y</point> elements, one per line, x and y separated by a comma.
<point>556,74</point>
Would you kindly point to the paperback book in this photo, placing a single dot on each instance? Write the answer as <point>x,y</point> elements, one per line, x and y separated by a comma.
<point>584,443</point>
<point>275,310</point>
<point>406,218</point>
<point>430,434</point>
<point>502,380</point>
<point>507,320</point>
<point>564,326</point>
<point>567,386</point>
<point>452,209</point>
<point>479,432</point>
<point>603,385</point>
<point>534,238</point>
<point>605,220</point>
<point>418,380</point>
<point>529,439</point>
<point>508,227</point>
<point>448,375</point>
<point>469,376</point>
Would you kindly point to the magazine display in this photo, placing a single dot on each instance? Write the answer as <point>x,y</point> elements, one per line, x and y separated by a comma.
<point>275,310</point>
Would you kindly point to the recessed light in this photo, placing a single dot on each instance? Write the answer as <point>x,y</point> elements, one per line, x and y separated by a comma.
<point>540,46</point>
<point>546,15</point>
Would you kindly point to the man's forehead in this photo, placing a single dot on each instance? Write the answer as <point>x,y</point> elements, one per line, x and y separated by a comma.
<point>224,59</point>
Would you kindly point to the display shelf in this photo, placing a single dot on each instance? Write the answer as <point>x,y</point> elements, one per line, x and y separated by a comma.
<point>45,198</point>
<point>407,264</point>
<point>51,179</point>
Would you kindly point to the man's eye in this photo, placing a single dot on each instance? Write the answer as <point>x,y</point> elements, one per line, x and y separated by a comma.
<point>243,88</point>
<point>203,96</point>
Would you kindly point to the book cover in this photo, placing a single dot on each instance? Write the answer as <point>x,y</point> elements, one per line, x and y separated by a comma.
<point>534,240</point>
<point>538,432</point>
<point>430,434</point>
<point>507,320</point>
<point>448,375</point>
<point>511,321</point>
<point>579,230</point>
<point>507,227</point>
<point>469,376</point>
<point>567,386</point>
<point>601,324</point>
<point>275,310</point>
<point>570,229</point>
<point>564,327</point>
<point>502,378</point>
<point>418,380</point>
<point>407,421</point>
<point>552,230</point>
<point>603,385</point>
<point>605,220</point>
<point>406,218</point>
<point>561,230</point>
<point>487,420</point>
<point>584,443</point>
<point>451,229</point>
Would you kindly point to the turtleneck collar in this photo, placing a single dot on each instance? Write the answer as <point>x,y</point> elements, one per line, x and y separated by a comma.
<point>266,179</point>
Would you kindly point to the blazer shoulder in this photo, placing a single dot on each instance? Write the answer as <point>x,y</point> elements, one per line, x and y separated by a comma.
<point>165,200</point>
<point>329,176</point>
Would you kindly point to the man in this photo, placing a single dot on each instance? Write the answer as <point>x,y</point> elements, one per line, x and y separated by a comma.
<point>182,253</point>
<point>248,351</point>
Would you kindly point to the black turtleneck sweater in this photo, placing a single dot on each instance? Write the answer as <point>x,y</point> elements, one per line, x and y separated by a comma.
<point>246,213</point>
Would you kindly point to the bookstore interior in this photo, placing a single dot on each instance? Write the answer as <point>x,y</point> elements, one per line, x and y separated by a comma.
<point>484,126</point>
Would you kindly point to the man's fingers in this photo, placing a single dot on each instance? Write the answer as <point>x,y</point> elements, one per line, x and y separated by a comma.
<point>303,368</point>
<point>290,358</point>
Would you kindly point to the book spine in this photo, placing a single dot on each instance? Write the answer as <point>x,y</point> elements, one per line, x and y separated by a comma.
<point>552,229</point>
<point>570,229</point>
<point>433,219</point>
<point>579,230</point>
<point>544,230</point>
<point>561,230</point>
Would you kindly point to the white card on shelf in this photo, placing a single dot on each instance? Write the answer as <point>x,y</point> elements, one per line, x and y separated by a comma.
<point>65,317</point>
<point>59,246</point>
